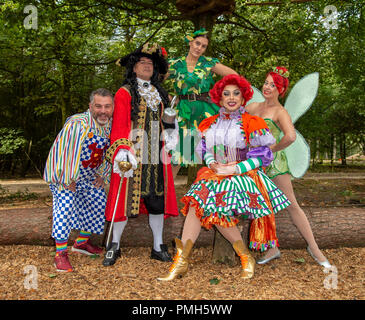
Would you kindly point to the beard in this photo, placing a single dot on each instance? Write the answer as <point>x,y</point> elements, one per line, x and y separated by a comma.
<point>101,120</point>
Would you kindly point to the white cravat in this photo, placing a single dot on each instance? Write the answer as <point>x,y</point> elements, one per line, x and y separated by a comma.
<point>149,93</point>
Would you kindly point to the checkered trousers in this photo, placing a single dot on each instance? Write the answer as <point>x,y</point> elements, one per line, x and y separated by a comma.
<point>80,210</point>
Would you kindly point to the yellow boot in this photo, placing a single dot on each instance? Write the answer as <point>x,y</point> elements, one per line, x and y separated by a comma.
<point>180,264</point>
<point>247,261</point>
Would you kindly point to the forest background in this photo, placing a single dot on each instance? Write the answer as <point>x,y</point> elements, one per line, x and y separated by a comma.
<point>54,53</point>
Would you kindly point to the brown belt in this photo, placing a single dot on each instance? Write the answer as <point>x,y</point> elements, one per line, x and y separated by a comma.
<point>196,97</point>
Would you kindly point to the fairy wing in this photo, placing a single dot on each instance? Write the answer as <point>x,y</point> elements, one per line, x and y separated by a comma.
<point>302,96</point>
<point>298,156</point>
<point>298,102</point>
<point>257,96</point>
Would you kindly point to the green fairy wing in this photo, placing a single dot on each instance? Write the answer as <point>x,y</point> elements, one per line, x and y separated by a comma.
<point>298,156</point>
<point>257,96</point>
<point>302,96</point>
<point>298,102</point>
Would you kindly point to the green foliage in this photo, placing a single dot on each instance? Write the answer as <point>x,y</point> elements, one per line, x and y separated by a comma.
<point>11,140</point>
<point>47,74</point>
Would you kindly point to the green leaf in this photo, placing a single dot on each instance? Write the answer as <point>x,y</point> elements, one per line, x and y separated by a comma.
<point>52,275</point>
<point>299,260</point>
<point>214,281</point>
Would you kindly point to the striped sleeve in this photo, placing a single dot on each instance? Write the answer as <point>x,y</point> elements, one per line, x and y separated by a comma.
<point>209,158</point>
<point>63,161</point>
<point>247,165</point>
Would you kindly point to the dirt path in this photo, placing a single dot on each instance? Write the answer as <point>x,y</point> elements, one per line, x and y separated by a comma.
<point>40,187</point>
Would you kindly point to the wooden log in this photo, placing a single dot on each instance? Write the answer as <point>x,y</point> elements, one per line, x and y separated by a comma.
<point>332,228</point>
<point>223,252</point>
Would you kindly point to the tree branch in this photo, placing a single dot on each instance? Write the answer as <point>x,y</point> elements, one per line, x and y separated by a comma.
<point>276,3</point>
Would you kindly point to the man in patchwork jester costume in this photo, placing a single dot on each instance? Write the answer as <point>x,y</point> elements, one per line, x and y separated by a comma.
<point>77,174</point>
<point>234,146</point>
<point>136,139</point>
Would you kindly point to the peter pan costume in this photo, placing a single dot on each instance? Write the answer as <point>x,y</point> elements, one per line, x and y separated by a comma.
<point>194,102</point>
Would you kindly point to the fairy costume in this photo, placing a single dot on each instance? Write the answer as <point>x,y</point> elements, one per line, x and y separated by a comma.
<point>294,159</point>
<point>221,199</point>
<point>279,165</point>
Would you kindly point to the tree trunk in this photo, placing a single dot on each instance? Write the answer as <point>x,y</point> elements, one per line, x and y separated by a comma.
<point>27,162</point>
<point>65,91</point>
<point>204,21</point>
<point>331,227</point>
<point>332,150</point>
<point>222,250</point>
<point>343,148</point>
<point>192,173</point>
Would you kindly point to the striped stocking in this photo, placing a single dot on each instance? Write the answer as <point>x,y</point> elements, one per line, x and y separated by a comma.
<point>83,237</point>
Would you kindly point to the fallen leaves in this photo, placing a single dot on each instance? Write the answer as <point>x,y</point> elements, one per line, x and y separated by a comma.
<point>294,276</point>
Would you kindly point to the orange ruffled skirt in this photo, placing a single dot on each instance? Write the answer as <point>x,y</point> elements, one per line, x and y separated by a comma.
<point>220,200</point>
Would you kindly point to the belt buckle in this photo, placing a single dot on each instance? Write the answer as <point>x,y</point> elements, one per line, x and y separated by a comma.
<point>192,94</point>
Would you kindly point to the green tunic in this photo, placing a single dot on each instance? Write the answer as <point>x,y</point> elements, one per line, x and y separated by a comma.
<point>280,163</point>
<point>191,113</point>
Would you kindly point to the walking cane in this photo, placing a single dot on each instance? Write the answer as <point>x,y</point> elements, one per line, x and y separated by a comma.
<point>124,166</point>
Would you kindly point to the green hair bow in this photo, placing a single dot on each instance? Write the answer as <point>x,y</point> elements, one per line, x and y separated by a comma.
<point>191,36</point>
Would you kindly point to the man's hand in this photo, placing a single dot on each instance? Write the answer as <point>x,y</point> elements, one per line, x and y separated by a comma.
<point>71,186</point>
<point>99,182</point>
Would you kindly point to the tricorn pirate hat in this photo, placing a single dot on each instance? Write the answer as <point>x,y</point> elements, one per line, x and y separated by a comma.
<point>150,50</point>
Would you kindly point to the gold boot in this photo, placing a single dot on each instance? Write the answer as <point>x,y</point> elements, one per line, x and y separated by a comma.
<point>247,261</point>
<point>180,264</point>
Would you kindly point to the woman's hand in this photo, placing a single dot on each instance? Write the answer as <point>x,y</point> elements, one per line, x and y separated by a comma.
<point>224,169</point>
<point>273,147</point>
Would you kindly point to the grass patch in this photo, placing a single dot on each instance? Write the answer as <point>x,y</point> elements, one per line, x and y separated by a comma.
<point>337,167</point>
<point>6,196</point>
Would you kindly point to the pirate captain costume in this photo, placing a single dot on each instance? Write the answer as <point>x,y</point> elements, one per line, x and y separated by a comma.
<point>77,156</point>
<point>135,137</point>
<point>242,141</point>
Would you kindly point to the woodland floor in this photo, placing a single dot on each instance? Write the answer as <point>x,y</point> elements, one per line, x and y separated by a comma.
<point>295,276</point>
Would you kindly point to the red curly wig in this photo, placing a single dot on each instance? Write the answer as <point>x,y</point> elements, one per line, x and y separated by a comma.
<point>245,87</point>
<point>281,83</point>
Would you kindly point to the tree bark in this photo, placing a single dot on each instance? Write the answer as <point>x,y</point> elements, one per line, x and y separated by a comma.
<point>65,96</point>
<point>222,250</point>
<point>332,228</point>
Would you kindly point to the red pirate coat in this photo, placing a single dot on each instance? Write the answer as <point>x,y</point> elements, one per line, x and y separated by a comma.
<point>130,194</point>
